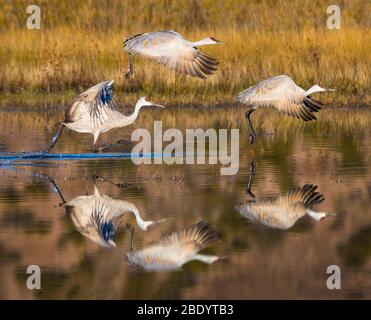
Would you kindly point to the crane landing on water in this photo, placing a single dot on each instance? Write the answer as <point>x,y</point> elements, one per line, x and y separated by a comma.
<point>283,94</point>
<point>95,111</point>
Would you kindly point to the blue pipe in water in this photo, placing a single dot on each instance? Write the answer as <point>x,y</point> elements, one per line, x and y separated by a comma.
<point>73,156</point>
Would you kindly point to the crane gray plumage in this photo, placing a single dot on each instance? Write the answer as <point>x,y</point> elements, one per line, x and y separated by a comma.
<point>176,249</point>
<point>170,49</point>
<point>95,111</point>
<point>283,94</point>
<point>283,211</point>
<point>97,216</point>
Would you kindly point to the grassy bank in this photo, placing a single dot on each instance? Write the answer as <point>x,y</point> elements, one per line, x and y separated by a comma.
<point>81,44</point>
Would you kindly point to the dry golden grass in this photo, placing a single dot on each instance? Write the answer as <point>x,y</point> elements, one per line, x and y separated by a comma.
<point>80,44</point>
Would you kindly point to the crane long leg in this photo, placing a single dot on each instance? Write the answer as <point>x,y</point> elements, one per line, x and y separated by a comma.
<point>252,132</point>
<point>121,141</point>
<point>52,182</point>
<point>57,190</point>
<point>131,229</point>
<point>251,179</point>
<point>130,70</point>
<point>53,140</point>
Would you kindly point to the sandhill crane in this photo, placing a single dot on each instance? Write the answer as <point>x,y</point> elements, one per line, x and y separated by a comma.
<point>94,111</point>
<point>282,93</point>
<point>97,216</point>
<point>283,211</point>
<point>169,48</point>
<point>173,251</point>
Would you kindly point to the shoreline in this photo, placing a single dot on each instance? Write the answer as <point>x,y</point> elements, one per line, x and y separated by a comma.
<point>40,102</point>
<point>186,107</point>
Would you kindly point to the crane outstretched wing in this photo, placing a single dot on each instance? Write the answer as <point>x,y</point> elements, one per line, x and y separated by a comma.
<point>193,238</point>
<point>92,101</point>
<point>306,196</point>
<point>170,49</point>
<point>176,248</point>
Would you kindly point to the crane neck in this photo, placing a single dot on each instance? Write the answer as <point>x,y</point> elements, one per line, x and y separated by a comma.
<point>205,258</point>
<point>130,207</point>
<point>127,120</point>
<point>314,89</point>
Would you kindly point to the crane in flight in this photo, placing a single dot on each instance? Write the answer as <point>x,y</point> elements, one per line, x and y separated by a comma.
<point>170,49</point>
<point>283,94</point>
<point>95,111</point>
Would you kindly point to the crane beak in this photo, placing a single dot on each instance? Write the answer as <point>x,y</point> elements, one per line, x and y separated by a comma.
<point>112,243</point>
<point>215,40</point>
<point>331,90</point>
<point>157,105</point>
<point>152,104</point>
<point>160,221</point>
<point>156,222</point>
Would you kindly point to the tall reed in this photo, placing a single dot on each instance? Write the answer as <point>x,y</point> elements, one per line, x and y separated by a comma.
<point>80,43</point>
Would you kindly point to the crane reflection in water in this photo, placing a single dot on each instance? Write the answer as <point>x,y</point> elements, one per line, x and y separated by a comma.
<point>176,249</point>
<point>283,211</point>
<point>97,217</point>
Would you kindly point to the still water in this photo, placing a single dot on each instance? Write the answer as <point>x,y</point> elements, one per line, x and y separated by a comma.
<point>261,260</point>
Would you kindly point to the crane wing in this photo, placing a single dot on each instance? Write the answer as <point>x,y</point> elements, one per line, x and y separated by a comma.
<point>193,238</point>
<point>172,50</point>
<point>93,101</point>
<point>303,196</point>
<point>270,214</point>
<point>176,248</point>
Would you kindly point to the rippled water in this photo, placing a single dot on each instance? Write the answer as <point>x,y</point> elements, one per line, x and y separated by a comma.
<point>262,261</point>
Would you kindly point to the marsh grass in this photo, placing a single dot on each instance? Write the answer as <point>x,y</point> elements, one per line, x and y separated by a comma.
<point>81,44</point>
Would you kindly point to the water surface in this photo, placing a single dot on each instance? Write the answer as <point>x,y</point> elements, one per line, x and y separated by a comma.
<point>262,262</point>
